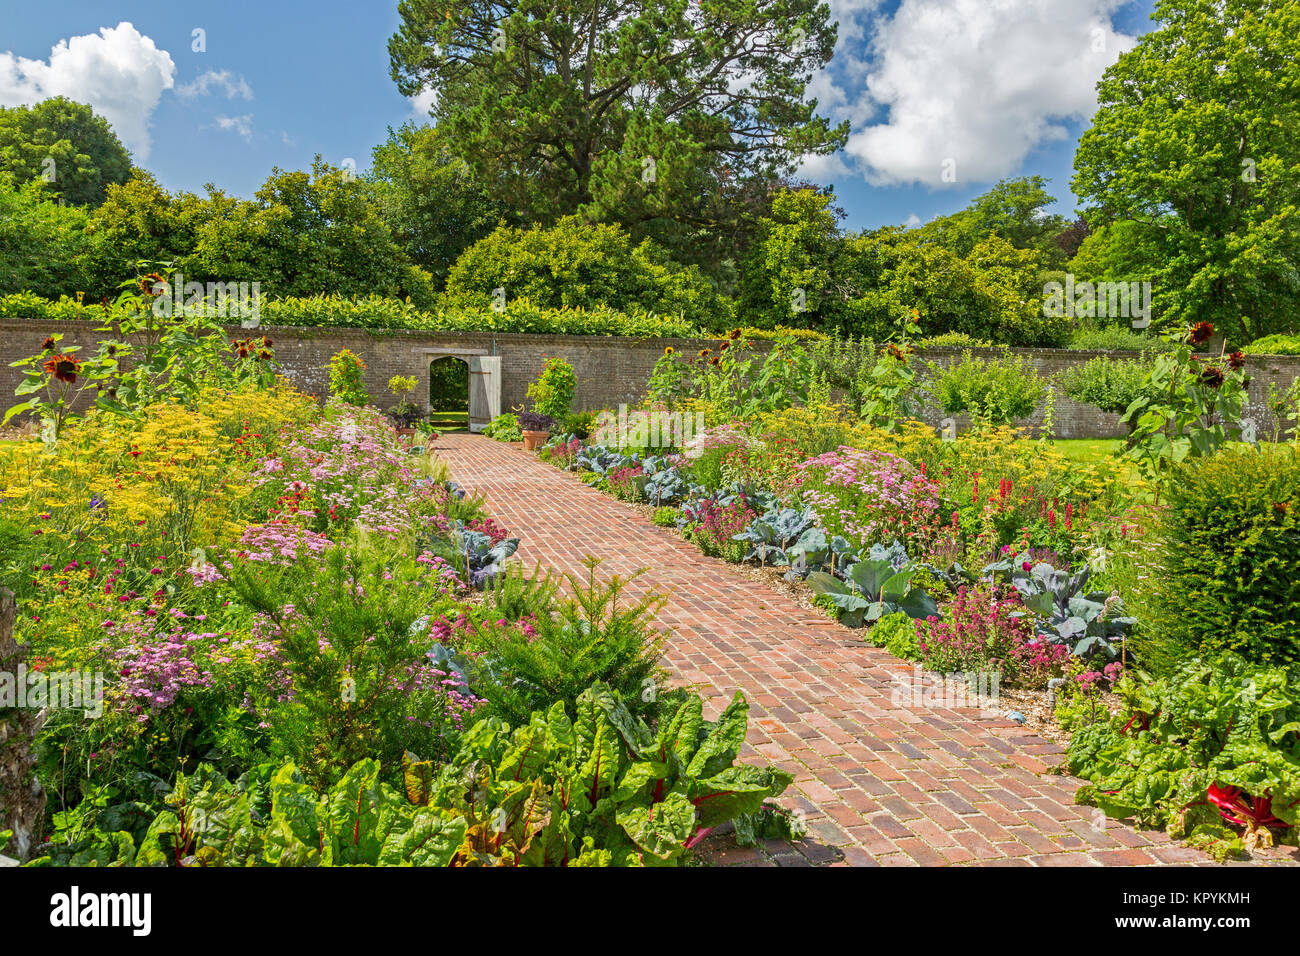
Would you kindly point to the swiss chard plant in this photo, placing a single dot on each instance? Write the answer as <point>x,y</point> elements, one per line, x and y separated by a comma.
<point>599,788</point>
<point>603,789</point>
<point>1211,752</point>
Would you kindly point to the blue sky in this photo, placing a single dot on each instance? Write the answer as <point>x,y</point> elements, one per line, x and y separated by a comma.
<point>981,90</point>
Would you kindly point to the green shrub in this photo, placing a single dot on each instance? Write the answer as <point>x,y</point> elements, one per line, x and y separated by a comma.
<point>593,634</point>
<point>666,517</point>
<point>552,393</point>
<point>1229,569</point>
<point>389,314</point>
<point>583,265</point>
<point>953,340</point>
<point>1274,345</point>
<point>997,391</point>
<point>504,428</point>
<point>1116,339</point>
<point>1109,384</point>
<point>346,370</point>
<point>579,424</point>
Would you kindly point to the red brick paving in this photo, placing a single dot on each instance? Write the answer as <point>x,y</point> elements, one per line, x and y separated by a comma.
<point>878,783</point>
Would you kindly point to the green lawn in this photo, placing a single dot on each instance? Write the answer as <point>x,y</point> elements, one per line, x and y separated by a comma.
<point>1085,450</point>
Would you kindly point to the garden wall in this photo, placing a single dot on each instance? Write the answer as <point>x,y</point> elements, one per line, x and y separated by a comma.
<point>609,369</point>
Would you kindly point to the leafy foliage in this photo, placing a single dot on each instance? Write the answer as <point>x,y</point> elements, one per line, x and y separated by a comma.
<point>64,146</point>
<point>1185,408</point>
<point>589,635</point>
<point>1229,565</point>
<point>552,393</point>
<point>995,391</point>
<point>1090,622</point>
<point>1210,87</point>
<point>871,589</point>
<point>598,789</point>
<point>1215,743</point>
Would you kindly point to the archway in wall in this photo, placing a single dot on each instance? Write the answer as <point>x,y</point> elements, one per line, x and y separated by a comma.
<point>449,393</point>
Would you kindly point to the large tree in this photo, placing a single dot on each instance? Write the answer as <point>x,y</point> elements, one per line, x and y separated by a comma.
<point>43,245</point>
<point>65,146</point>
<point>648,113</point>
<point>1014,209</point>
<point>1197,139</point>
<point>430,198</point>
<point>307,233</point>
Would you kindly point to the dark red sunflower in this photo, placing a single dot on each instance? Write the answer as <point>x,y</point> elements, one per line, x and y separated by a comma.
<point>63,367</point>
<point>734,334</point>
<point>1237,361</point>
<point>48,345</point>
<point>148,282</point>
<point>266,342</point>
<point>1201,333</point>
<point>1212,376</point>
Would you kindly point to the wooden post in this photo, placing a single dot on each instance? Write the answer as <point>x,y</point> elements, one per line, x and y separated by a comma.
<point>22,800</point>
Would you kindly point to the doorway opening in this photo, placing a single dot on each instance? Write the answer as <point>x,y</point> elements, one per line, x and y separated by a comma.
<point>449,394</point>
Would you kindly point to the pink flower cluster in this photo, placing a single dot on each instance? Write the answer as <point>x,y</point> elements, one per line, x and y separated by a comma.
<point>712,525</point>
<point>281,542</point>
<point>868,496</point>
<point>155,673</point>
<point>981,635</point>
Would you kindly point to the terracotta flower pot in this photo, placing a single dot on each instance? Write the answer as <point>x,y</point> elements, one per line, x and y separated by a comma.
<point>533,440</point>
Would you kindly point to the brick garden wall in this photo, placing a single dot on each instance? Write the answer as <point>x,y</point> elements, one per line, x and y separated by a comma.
<point>609,369</point>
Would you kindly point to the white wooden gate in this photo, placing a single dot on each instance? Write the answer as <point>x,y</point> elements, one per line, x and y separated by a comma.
<point>484,390</point>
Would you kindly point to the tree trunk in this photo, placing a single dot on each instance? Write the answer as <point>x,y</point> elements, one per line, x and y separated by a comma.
<point>22,801</point>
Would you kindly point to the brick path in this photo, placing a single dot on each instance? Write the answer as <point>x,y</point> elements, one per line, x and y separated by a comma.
<point>878,783</point>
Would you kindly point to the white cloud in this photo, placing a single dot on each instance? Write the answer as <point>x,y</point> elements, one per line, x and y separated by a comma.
<point>120,73</point>
<point>979,83</point>
<point>243,125</point>
<point>223,81</point>
<point>912,221</point>
<point>422,102</point>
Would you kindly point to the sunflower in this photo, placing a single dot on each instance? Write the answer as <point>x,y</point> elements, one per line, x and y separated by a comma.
<point>48,344</point>
<point>1237,361</point>
<point>705,352</point>
<point>1201,333</point>
<point>147,283</point>
<point>714,361</point>
<point>668,351</point>
<point>63,367</point>
<point>734,334</point>
<point>1212,376</point>
<point>266,342</point>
